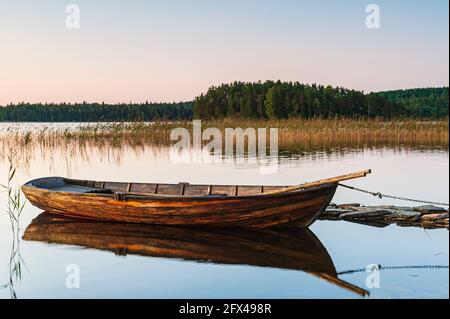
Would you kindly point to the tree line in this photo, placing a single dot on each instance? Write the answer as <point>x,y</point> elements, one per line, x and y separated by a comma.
<point>421,103</point>
<point>260,100</point>
<point>95,112</point>
<point>292,99</point>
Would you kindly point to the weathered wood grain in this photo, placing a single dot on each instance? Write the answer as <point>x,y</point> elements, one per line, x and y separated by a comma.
<point>180,204</point>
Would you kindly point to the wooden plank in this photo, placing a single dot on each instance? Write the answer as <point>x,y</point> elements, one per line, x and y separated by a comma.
<point>196,190</point>
<point>249,190</point>
<point>169,189</point>
<point>223,190</point>
<point>143,188</point>
<point>268,189</point>
<point>116,187</point>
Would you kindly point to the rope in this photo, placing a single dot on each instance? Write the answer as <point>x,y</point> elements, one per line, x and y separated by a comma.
<point>394,267</point>
<point>380,195</point>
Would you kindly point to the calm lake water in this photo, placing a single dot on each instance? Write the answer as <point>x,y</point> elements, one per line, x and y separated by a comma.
<point>34,268</point>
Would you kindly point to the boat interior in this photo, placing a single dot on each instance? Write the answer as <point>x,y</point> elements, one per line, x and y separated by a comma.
<point>59,184</point>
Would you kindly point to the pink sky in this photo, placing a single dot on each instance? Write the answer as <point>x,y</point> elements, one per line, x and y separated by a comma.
<point>161,52</point>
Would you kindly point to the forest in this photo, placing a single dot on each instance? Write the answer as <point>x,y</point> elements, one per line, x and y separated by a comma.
<point>258,100</point>
<point>421,103</point>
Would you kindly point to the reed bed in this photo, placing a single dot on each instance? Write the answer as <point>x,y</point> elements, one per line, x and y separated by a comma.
<point>294,135</point>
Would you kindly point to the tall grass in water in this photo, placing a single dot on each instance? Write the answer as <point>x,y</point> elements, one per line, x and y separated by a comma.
<point>325,132</point>
<point>14,208</point>
<point>295,136</point>
<point>351,133</point>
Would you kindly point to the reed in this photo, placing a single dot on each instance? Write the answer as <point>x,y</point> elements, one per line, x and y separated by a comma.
<point>14,208</point>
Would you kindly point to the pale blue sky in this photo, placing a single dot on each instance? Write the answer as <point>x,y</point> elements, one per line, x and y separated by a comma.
<point>169,50</point>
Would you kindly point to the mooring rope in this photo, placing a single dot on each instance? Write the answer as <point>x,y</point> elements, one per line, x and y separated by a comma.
<point>380,267</point>
<point>380,195</point>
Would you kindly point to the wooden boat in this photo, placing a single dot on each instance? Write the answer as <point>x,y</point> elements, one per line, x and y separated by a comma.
<point>186,204</point>
<point>294,249</point>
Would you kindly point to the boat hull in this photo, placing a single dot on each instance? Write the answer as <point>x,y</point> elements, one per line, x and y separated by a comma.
<point>290,209</point>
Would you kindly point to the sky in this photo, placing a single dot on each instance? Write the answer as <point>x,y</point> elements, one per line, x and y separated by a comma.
<point>173,50</point>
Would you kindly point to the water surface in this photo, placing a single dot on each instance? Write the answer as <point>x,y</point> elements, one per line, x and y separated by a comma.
<point>413,172</point>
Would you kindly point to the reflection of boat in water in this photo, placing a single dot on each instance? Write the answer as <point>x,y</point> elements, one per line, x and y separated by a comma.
<point>295,249</point>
